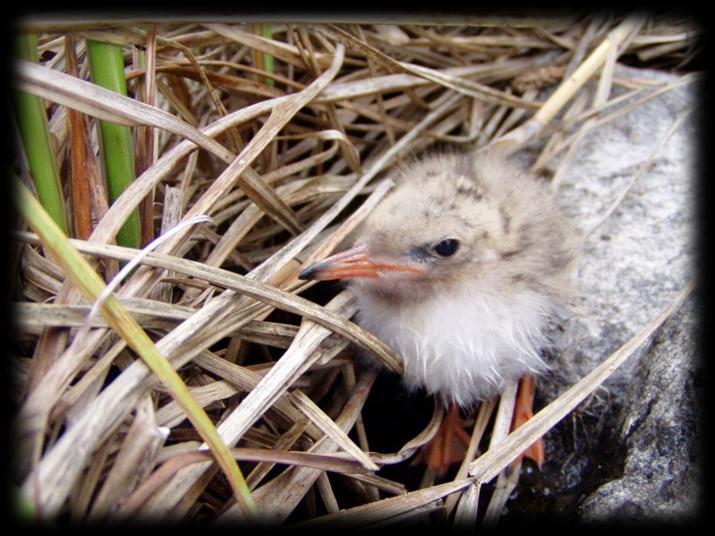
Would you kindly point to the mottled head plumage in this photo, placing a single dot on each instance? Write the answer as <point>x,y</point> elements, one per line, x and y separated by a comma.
<point>499,215</point>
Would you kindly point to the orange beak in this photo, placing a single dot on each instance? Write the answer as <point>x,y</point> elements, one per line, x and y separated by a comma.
<point>353,263</point>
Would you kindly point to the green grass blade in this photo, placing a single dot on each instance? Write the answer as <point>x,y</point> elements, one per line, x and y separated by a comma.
<point>35,134</point>
<point>24,507</point>
<point>267,31</point>
<point>107,65</point>
<point>91,285</point>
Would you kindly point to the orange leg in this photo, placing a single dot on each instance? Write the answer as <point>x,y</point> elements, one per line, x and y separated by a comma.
<point>448,445</point>
<point>523,411</point>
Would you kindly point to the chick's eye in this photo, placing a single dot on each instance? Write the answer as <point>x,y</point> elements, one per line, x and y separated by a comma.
<point>447,248</point>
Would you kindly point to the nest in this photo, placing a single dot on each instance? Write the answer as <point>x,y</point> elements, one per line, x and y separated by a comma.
<point>284,135</point>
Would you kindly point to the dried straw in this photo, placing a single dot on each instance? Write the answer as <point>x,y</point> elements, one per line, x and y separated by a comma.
<point>285,156</point>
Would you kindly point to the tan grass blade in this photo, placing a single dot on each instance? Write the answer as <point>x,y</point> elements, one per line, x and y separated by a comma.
<point>285,441</point>
<point>295,361</point>
<point>281,113</point>
<point>505,483</point>
<point>96,101</point>
<point>472,89</point>
<point>485,411</point>
<point>170,467</point>
<point>401,88</point>
<point>365,515</point>
<point>134,461</point>
<point>520,135</point>
<point>89,282</point>
<point>494,460</point>
<point>124,392</point>
<point>278,49</point>
<point>62,464</point>
<point>256,290</point>
<point>279,497</point>
<point>326,424</point>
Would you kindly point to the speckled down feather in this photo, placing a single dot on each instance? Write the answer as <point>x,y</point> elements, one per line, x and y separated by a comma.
<point>474,319</point>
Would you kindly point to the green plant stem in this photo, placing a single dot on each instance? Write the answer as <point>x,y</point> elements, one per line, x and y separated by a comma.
<point>267,31</point>
<point>35,134</point>
<point>107,66</point>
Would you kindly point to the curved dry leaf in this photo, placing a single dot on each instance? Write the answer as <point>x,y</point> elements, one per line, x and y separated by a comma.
<point>228,82</point>
<point>467,87</point>
<point>99,102</point>
<point>283,51</point>
<point>254,289</point>
<point>327,462</point>
<point>391,507</point>
<point>281,113</point>
<point>349,152</point>
<point>421,439</point>
<point>494,460</point>
<point>96,101</point>
<point>279,497</point>
<point>492,52</point>
<point>327,425</point>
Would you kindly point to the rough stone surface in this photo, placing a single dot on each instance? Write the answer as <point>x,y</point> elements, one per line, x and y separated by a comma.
<point>638,259</point>
<point>662,431</point>
<point>633,442</point>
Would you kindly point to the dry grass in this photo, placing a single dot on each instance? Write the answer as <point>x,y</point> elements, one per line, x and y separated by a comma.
<point>285,170</point>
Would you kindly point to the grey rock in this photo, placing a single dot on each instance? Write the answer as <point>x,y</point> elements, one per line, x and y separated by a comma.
<point>633,442</point>
<point>639,258</point>
<point>662,430</point>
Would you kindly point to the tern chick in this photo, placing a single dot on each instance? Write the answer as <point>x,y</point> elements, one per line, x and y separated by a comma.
<point>458,270</point>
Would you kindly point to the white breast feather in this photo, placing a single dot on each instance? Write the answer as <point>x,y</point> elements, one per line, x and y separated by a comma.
<point>463,349</point>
